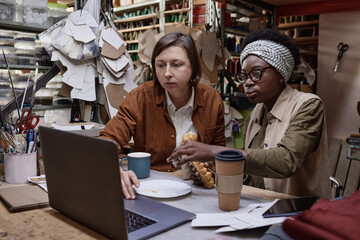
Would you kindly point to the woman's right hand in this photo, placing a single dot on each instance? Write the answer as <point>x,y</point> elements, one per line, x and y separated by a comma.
<point>128,179</point>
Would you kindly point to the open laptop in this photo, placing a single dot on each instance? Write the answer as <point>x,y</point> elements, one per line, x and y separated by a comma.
<point>83,180</point>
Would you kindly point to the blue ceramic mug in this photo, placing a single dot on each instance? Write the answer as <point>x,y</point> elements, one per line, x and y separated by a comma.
<point>139,163</point>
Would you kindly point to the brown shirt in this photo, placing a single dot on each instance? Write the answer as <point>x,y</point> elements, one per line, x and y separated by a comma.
<point>143,114</point>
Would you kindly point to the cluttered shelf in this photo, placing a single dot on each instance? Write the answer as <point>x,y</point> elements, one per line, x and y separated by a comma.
<point>137,18</point>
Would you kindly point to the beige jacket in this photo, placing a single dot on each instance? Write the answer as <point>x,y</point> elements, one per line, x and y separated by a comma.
<point>315,169</point>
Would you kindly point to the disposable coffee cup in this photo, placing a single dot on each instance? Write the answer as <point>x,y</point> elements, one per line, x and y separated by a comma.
<point>229,178</point>
<point>18,167</point>
<point>139,163</point>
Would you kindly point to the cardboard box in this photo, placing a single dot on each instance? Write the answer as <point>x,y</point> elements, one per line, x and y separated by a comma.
<point>198,19</point>
<point>199,10</point>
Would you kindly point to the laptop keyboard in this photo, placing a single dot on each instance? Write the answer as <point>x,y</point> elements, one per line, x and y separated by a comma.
<point>135,221</point>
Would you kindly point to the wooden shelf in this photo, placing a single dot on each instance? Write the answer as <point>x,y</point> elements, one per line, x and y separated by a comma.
<point>305,40</point>
<point>297,24</point>
<point>236,31</point>
<point>135,6</point>
<point>22,26</point>
<point>132,41</point>
<point>137,18</point>
<point>182,10</point>
<point>308,53</point>
<point>24,67</point>
<point>138,28</point>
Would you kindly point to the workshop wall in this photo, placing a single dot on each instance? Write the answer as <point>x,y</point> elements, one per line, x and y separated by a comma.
<point>340,91</point>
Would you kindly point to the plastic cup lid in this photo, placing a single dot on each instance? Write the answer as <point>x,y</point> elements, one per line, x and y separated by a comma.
<point>230,155</point>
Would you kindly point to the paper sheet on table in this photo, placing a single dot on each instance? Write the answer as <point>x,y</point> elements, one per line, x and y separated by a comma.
<point>39,180</point>
<point>71,128</point>
<point>253,219</point>
<point>219,219</point>
<point>244,218</point>
<point>249,221</point>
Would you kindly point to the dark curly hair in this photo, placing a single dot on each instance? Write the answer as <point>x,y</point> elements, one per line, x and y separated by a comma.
<point>275,36</point>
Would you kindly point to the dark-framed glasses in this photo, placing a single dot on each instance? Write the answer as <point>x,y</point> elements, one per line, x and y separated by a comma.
<point>255,74</point>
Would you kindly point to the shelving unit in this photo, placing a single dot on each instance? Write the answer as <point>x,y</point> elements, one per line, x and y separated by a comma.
<point>305,35</point>
<point>128,23</point>
<point>232,33</point>
<point>49,72</point>
<point>41,82</point>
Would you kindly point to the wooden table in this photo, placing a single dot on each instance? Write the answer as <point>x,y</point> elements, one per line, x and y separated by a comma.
<point>46,223</point>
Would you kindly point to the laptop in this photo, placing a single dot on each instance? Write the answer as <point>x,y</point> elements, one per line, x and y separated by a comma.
<point>83,180</point>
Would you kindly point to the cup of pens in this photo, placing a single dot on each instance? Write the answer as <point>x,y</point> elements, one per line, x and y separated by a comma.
<point>18,167</point>
<point>20,157</point>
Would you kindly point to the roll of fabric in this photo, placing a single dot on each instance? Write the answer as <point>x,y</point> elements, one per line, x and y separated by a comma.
<point>327,220</point>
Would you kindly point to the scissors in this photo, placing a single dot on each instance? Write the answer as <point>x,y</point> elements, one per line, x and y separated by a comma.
<point>27,121</point>
<point>342,47</point>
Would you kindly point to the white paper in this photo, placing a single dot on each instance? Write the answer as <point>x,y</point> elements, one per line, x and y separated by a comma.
<point>73,127</point>
<point>220,219</point>
<point>111,37</point>
<point>87,92</point>
<point>39,180</point>
<point>244,218</point>
<point>111,78</point>
<point>117,64</point>
<point>82,17</point>
<point>255,221</point>
<point>74,75</point>
<point>81,33</point>
<point>115,75</point>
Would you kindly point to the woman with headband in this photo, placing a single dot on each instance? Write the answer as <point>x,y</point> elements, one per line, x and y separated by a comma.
<point>285,135</point>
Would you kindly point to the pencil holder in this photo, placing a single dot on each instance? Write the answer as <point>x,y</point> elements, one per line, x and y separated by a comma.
<point>18,167</point>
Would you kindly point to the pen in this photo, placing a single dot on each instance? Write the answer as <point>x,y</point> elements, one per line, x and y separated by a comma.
<point>30,147</point>
<point>34,143</point>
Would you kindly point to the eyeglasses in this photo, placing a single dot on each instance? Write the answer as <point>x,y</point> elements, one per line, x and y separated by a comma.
<point>255,75</point>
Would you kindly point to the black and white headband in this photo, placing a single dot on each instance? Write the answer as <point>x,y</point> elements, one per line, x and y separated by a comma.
<point>273,53</point>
